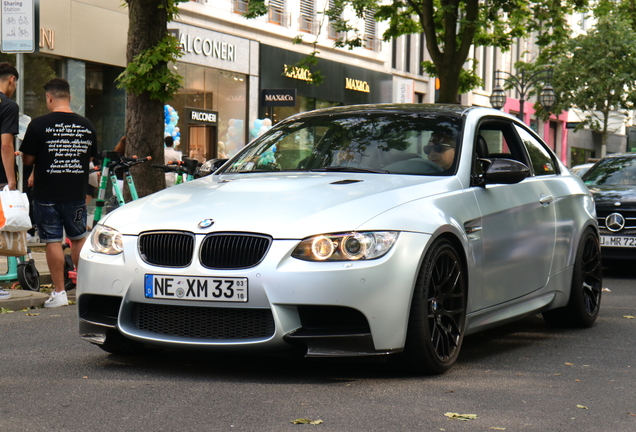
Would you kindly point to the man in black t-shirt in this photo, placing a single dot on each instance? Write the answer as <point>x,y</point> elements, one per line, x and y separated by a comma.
<point>8,130</point>
<point>9,113</point>
<point>61,144</point>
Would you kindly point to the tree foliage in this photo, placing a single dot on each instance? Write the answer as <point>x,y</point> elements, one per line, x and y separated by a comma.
<point>148,70</point>
<point>451,27</point>
<point>597,74</point>
<point>149,83</point>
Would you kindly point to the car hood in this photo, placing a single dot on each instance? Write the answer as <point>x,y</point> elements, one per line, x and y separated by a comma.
<point>608,195</point>
<point>282,205</point>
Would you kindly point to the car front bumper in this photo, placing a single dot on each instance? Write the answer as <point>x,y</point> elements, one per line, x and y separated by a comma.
<point>328,308</point>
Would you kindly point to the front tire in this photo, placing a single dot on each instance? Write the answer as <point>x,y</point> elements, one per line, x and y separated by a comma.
<point>437,318</point>
<point>587,285</point>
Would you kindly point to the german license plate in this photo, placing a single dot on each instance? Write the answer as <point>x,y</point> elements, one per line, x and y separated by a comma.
<point>618,241</point>
<point>223,289</point>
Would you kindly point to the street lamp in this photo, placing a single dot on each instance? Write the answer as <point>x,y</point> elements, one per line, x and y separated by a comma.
<point>522,83</point>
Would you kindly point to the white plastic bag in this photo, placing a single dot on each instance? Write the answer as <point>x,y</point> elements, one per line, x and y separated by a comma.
<point>14,211</point>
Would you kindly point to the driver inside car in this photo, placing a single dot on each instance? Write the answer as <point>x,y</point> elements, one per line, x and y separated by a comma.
<point>441,149</point>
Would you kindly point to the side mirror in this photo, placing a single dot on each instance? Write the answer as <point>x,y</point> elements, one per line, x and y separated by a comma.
<point>209,166</point>
<point>501,171</point>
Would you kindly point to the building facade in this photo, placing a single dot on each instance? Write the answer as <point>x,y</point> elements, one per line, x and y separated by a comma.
<point>241,76</point>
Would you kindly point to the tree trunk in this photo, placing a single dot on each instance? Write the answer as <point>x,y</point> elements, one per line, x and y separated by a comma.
<point>605,134</point>
<point>144,116</point>
<point>448,85</point>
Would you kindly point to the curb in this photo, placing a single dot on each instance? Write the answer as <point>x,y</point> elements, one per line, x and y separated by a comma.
<point>24,299</point>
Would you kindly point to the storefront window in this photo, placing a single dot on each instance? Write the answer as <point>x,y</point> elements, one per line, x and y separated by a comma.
<point>37,71</point>
<point>105,104</point>
<point>214,90</point>
<point>303,104</point>
<point>580,156</point>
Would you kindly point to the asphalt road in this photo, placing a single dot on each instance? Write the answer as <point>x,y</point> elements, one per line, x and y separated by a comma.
<point>522,377</point>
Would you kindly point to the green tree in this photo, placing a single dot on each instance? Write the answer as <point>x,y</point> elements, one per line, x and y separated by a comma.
<point>451,27</point>
<point>149,83</point>
<point>597,74</point>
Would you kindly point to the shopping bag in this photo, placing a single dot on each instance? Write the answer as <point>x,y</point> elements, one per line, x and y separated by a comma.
<point>14,211</point>
<point>13,243</point>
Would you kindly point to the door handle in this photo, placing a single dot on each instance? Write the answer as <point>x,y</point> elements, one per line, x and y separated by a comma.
<point>546,199</point>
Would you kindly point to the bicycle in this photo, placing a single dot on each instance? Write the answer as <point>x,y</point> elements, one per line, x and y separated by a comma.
<point>111,162</point>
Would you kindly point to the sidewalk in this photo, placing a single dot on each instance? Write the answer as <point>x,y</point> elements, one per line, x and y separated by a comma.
<point>21,299</point>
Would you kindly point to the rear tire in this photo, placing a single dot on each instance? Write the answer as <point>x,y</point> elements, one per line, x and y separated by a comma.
<point>437,319</point>
<point>587,286</point>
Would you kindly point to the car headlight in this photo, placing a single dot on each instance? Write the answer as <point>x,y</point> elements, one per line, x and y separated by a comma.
<point>350,246</point>
<point>106,240</point>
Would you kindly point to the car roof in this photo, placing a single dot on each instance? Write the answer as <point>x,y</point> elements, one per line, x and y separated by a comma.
<point>448,109</point>
<point>623,155</point>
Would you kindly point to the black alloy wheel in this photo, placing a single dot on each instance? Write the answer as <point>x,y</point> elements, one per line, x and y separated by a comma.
<point>438,312</point>
<point>587,286</point>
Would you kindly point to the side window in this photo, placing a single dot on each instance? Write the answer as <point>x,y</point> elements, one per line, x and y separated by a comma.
<point>542,161</point>
<point>502,140</point>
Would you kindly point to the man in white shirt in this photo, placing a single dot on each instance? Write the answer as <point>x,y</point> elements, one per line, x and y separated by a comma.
<point>170,155</point>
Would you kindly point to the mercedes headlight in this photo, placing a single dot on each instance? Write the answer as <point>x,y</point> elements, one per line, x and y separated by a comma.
<point>106,240</point>
<point>351,246</point>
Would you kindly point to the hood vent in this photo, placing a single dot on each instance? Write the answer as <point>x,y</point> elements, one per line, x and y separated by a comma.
<point>343,182</point>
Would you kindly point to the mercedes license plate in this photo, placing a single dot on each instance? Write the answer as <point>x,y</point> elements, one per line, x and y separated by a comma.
<point>618,241</point>
<point>224,289</point>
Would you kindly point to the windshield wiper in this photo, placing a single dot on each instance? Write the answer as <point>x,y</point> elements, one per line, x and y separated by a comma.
<point>349,169</point>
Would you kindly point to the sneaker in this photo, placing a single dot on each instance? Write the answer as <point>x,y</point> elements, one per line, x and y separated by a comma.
<point>56,300</point>
<point>4,294</point>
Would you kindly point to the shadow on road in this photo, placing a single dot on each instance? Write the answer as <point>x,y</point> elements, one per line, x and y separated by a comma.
<point>485,346</point>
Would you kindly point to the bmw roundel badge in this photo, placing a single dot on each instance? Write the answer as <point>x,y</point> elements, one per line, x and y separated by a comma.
<point>206,223</point>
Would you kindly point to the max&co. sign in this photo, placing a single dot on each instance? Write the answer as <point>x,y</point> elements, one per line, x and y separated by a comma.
<point>278,97</point>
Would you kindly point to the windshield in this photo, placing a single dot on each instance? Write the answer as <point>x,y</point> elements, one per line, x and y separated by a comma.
<point>612,172</point>
<point>398,143</point>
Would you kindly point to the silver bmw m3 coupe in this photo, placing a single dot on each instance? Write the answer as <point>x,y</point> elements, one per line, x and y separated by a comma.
<point>372,230</point>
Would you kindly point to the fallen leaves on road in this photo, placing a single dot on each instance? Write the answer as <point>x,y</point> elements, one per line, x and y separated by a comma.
<point>569,364</point>
<point>497,428</point>
<point>464,417</point>
<point>581,406</point>
<point>629,316</point>
<point>306,421</point>
<point>606,290</point>
<point>32,314</point>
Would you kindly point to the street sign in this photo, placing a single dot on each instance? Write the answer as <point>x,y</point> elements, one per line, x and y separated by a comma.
<point>17,18</point>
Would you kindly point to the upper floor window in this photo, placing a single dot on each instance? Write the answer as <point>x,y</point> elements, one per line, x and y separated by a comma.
<point>370,30</point>
<point>240,6</point>
<point>307,20</point>
<point>277,12</point>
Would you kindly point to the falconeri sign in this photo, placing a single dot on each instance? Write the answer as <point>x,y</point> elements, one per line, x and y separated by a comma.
<point>201,116</point>
<point>213,49</point>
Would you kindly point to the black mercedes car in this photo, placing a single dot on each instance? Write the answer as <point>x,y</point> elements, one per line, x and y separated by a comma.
<point>612,180</point>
